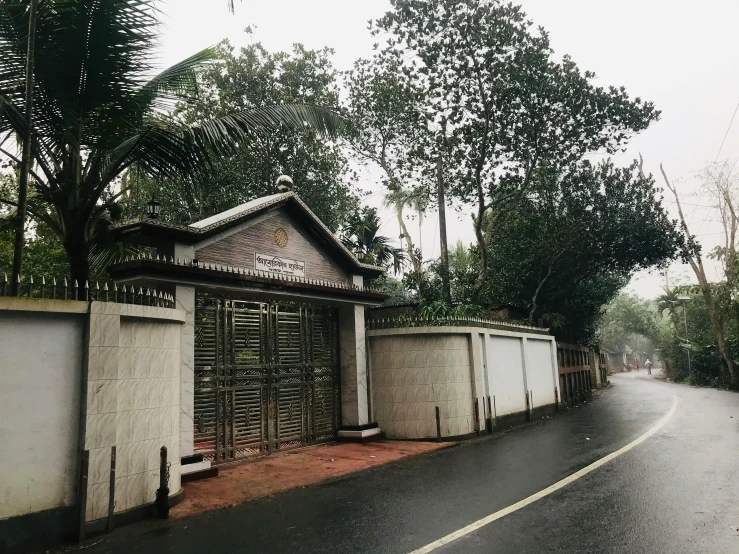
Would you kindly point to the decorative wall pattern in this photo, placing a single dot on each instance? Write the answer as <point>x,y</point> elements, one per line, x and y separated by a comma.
<point>412,374</point>
<point>415,369</point>
<point>133,403</point>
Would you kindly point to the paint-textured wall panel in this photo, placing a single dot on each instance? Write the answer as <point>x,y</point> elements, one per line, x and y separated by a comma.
<point>540,372</point>
<point>41,357</point>
<point>505,374</point>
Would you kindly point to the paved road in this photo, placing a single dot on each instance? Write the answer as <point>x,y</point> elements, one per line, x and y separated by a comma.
<point>677,492</point>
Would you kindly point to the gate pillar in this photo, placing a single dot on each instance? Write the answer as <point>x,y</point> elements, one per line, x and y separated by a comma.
<point>185,299</point>
<point>353,362</point>
<point>355,420</point>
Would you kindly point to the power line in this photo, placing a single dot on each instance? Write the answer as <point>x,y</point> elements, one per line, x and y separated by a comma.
<point>700,196</point>
<point>727,133</point>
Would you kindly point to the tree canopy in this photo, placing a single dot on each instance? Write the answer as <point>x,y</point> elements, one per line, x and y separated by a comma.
<point>98,111</point>
<point>503,105</point>
<point>253,78</point>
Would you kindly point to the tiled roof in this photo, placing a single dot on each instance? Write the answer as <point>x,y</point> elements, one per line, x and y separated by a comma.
<point>210,225</point>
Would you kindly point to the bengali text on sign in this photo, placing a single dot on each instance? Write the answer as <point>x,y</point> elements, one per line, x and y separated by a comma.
<point>275,264</point>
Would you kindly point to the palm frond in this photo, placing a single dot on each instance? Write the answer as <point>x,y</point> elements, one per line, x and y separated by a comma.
<point>180,81</point>
<point>164,148</point>
<point>241,125</point>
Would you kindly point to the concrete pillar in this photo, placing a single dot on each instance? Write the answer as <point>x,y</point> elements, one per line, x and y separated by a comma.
<point>595,368</point>
<point>185,301</point>
<point>355,420</point>
<point>353,363</point>
<point>478,379</point>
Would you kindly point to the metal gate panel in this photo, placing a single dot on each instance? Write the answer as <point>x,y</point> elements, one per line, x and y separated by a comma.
<point>205,385</point>
<point>250,378</point>
<point>266,377</point>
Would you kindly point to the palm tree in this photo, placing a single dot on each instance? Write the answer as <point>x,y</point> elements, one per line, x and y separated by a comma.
<point>398,199</point>
<point>362,238</point>
<point>100,109</point>
<point>20,226</point>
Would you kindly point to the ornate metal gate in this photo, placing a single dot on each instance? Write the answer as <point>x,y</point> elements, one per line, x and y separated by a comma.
<point>266,377</point>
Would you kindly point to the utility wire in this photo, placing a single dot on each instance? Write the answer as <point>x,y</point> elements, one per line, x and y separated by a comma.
<point>727,133</point>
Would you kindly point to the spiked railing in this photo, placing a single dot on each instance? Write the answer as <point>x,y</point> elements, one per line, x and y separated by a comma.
<point>64,290</point>
<point>451,321</point>
<point>244,272</point>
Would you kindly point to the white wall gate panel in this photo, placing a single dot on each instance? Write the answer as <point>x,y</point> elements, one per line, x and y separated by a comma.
<point>505,374</point>
<point>540,372</point>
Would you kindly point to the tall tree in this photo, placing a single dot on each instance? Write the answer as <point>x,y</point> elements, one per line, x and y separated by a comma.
<point>98,111</point>
<point>593,224</point>
<point>388,128</point>
<point>254,78</point>
<point>723,186</point>
<point>510,107</point>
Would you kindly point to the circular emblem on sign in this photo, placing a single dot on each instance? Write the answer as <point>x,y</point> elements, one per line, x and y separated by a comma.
<point>281,238</point>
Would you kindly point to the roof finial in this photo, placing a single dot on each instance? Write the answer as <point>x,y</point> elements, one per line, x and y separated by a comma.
<point>284,183</point>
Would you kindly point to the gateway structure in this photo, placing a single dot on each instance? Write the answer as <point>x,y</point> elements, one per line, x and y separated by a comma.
<point>273,348</point>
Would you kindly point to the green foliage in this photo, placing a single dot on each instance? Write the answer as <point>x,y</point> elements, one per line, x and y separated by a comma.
<point>43,255</point>
<point>499,104</point>
<point>566,249</point>
<point>574,242</point>
<point>361,236</point>
<point>98,112</point>
<point>248,79</point>
<point>673,342</point>
<point>439,308</point>
<point>394,288</point>
<point>624,317</point>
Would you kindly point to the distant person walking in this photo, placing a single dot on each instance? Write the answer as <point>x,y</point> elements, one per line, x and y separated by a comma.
<point>636,363</point>
<point>648,365</point>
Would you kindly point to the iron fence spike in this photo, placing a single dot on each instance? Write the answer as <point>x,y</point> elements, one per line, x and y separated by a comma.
<point>105,287</point>
<point>54,282</point>
<point>31,279</point>
<point>124,289</point>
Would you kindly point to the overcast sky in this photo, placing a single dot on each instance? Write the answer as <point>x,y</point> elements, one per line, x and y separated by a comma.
<point>681,55</point>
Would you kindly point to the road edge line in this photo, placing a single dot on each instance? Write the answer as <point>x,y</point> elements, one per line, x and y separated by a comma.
<point>472,527</point>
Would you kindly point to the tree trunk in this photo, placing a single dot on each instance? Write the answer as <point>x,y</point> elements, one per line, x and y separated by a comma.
<point>718,327</point>
<point>446,286</point>
<point>479,221</point>
<point>26,154</point>
<point>78,251</point>
<point>409,245</point>
<point>532,312</point>
<point>696,263</point>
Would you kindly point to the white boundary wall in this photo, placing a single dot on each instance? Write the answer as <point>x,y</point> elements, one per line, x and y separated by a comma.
<point>414,369</point>
<point>86,376</point>
<point>41,358</point>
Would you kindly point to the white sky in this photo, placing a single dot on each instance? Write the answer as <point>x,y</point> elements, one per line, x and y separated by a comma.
<point>682,55</point>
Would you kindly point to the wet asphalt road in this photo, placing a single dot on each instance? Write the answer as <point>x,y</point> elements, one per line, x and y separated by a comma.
<point>677,492</point>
